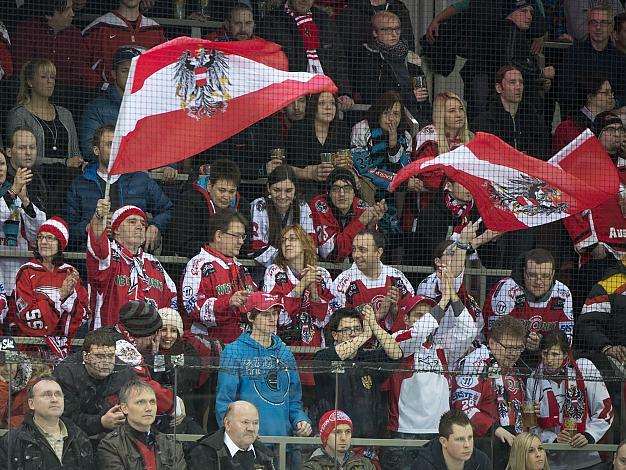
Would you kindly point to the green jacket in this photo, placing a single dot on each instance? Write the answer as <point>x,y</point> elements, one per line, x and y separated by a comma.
<point>321,461</point>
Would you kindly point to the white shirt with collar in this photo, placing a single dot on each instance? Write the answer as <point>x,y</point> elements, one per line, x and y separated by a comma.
<point>233,448</point>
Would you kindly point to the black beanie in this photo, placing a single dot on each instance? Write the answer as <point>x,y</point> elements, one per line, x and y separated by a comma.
<point>341,174</point>
<point>604,119</point>
<point>140,318</point>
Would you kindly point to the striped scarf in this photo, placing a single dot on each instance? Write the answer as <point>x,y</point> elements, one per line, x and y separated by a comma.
<point>310,37</point>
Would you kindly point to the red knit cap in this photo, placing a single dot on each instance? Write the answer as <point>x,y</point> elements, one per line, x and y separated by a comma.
<point>123,213</point>
<point>57,227</point>
<point>330,421</point>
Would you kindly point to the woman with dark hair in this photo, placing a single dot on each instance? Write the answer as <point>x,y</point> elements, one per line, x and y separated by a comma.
<point>574,406</point>
<point>598,98</point>
<point>50,298</point>
<point>381,146</point>
<point>280,207</point>
<point>319,132</point>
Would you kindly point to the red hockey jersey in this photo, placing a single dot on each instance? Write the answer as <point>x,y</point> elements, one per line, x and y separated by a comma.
<point>308,316</point>
<point>604,224</point>
<point>39,308</point>
<point>334,242</point>
<point>115,277</point>
<point>107,33</point>
<point>488,395</point>
<point>508,298</point>
<point>210,281</point>
<point>352,289</point>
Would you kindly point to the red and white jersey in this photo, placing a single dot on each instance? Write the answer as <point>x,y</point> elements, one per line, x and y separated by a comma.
<point>430,287</point>
<point>107,33</point>
<point>488,395</point>
<point>40,311</point>
<point>309,316</point>
<point>262,251</point>
<point>352,289</point>
<point>210,281</point>
<point>417,399</point>
<point>334,242</point>
<point>116,277</point>
<point>593,399</point>
<point>554,312</point>
<point>603,224</point>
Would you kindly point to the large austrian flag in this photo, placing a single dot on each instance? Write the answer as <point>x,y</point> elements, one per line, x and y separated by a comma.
<point>514,191</point>
<point>188,94</point>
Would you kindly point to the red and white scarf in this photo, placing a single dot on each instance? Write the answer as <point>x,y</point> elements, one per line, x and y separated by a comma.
<point>575,400</point>
<point>310,37</point>
<point>459,210</point>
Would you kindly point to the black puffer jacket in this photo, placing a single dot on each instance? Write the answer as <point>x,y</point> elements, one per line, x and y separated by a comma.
<point>26,448</point>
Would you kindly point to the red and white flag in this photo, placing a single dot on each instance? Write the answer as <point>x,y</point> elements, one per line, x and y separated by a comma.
<point>187,95</point>
<point>514,191</point>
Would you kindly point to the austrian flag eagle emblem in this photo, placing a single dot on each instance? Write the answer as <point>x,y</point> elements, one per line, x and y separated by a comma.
<point>202,82</point>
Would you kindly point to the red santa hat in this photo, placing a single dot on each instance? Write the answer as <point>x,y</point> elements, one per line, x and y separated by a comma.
<point>57,227</point>
<point>123,213</point>
<point>330,421</point>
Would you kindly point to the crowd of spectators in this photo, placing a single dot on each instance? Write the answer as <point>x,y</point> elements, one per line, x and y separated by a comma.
<point>208,346</point>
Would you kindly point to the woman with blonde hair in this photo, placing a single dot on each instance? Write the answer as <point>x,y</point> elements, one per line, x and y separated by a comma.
<point>527,453</point>
<point>53,126</point>
<point>58,152</point>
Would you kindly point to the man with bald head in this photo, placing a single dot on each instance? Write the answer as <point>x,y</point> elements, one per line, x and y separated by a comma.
<point>235,445</point>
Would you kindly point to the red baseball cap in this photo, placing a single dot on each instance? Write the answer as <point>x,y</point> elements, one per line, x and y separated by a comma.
<point>409,303</point>
<point>261,301</point>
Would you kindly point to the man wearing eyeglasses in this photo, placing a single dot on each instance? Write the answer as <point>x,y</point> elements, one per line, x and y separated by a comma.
<point>387,62</point>
<point>489,391</point>
<point>595,55</point>
<point>216,285</point>
<point>360,394</point>
<point>44,438</point>
<point>534,296</point>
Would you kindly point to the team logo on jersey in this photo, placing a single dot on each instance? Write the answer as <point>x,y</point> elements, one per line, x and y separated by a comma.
<point>202,82</point>
<point>467,381</point>
<point>501,308</point>
<point>361,204</point>
<point>208,269</point>
<point>321,206</point>
<point>512,385</point>
<point>367,382</point>
<point>281,278</point>
<point>353,290</point>
<point>557,304</point>
<point>260,205</point>
<point>377,301</point>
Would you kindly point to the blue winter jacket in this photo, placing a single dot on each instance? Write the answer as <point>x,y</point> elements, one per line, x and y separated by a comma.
<point>136,188</point>
<point>266,377</point>
<point>101,111</point>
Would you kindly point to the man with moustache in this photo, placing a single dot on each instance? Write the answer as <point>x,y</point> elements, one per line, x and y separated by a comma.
<point>235,445</point>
